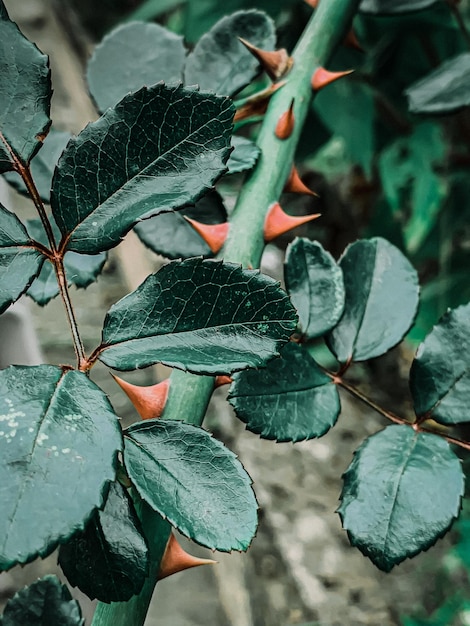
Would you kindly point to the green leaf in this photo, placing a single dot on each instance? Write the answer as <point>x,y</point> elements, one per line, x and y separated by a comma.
<point>160,148</point>
<point>131,56</point>
<point>381,300</point>
<point>394,6</point>
<point>59,438</point>
<point>46,601</point>
<point>43,165</point>
<point>19,263</point>
<point>172,236</point>
<point>444,90</point>
<point>400,495</point>
<point>244,156</point>
<point>24,97</point>
<point>315,285</point>
<point>81,269</point>
<point>192,480</point>
<point>109,559</point>
<point>289,400</point>
<point>440,373</point>
<point>220,62</point>
<point>204,316</point>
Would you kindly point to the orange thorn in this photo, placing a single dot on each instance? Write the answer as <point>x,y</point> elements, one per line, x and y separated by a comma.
<point>223,380</point>
<point>285,123</point>
<point>277,221</point>
<point>321,77</point>
<point>149,402</point>
<point>258,103</point>
<point>175,559</point>
<point>352,42</point>
<point>213,234</point>
<point>313,3</point>
<point>295,185</point>
<point>276,63</point>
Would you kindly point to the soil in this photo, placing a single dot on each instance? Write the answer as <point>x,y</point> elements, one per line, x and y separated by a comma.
<point>300,568</point>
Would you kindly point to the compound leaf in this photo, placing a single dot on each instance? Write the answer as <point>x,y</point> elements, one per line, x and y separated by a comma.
<point>160,148</point>
<point>109,559</point>
<point>220,62</point>
<point>315,285</point>
<point>289,400</point>
<point>171,235</point>
<point>201,315</point>
<point>131,56</point>
<point>81,269</point>
<point>244,155</point>
<point>24,96</point>
<point>400,494</point>
<point>394,6</point>
<point>46,601</point>
<point>59,438</point>
<point>19,263</point>
<point>444,90</point>
<point>192,480</point>
<point>440,373</point>
<point>381,300</point>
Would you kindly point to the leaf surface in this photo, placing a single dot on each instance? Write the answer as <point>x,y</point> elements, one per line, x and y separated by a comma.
<point>394,6</point>
<point>201,315</point>
<point>194,481</point>
<point>444,90</point>
<point>315,285</point>
<point>109,559</point>
<point>24,96</point>
<point>131,56</point>
<point>160,148</point>
<point>400,495</point>
<point>46,601</point>
<point>19,263</point>
<point>381,300</point>
<point>289,400</point>
<point>81,269</point>
<point>440,373</point>
<point>172,236</point>
<point>219,62</point>
<point>59,438</point>
<point>244,156</point>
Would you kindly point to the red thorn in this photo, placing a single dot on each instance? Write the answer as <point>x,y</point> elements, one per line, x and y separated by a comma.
<point>175,559</point>
<point>321,77</point>
<point>213,234</point>
<point>276,63</point>
<point>223,380</point>
<point>313,3</point>
<point>285,123</point>
<point>149,402</point>
<point>352,42</point>
<point>277,222</point>
<point>258,103</point>
<point>295,185</point>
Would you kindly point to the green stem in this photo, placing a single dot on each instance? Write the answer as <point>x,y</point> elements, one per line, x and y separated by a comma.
<point>189,395</point>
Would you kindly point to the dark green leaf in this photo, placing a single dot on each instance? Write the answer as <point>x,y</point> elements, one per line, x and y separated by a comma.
<point>58,442</point>
<point>394,6</point>
<point>172,236</point>
<point>440,374</point>
<point>46,601</point>
<point>81,269</point>
<point>194,481</point>
<point>201,315</point>
<point>159,149</point>
<point>24,96</point>
<point>219,62</point>
<point>400,495</point>
<point>315,285</point>
<point>131,56</point>
<point>289,400</point>
<point>444,90</point>
<point>19,264</point>
<point>150,9</point>
<point>244,156</point>
<point>109,560</point>
<point>381,300</point>
<point>43,165</point>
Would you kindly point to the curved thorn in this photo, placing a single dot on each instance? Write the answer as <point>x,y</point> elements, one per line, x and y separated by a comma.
<point>213,234</point>
<point>278,222</point>
<point>285,123</point>
<point>276,63</point>
<point>223,380</point>
<point>149,402</point>
<point>321,77</point>
<point>175,559</point>
<point>294,184</point>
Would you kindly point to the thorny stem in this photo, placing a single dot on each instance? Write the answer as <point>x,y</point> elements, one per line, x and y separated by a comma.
<point>246,242</point>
